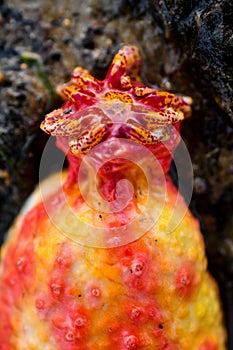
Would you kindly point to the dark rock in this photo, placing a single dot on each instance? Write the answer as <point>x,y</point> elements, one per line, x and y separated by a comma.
<point>203,30</point>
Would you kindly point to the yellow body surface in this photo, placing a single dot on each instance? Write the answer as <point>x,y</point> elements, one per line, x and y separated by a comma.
<point>154,293</point>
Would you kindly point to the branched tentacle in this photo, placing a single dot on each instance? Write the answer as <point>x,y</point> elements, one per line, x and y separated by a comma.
<point>142,113</point>
<point>89,139</point>
<point>137,133</point>
<point>125,65</point>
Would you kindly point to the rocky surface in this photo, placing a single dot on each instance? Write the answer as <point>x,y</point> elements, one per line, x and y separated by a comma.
<point>187,49</point>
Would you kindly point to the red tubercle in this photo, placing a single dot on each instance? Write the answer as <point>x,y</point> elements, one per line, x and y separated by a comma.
<point>92,295</point>
<point>79,317</point>
<point>125,337</point>
<point>154,313</point>
<point>139,265</point>
<point>136,312</point>
<point>40,303</point>
<point>63,261</point>
<point>185,281</point>
<point>93,292</point>
<point>45,305</point>
<point>131,341</point>
<point>80,321</point>
<point>147,310</point>
<point>57,287</point>
<point>64,258</point>
<point>22,264</point>
<point>136,273</point>
<point>70,336</point>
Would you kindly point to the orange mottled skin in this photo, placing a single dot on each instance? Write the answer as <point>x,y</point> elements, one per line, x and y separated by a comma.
<point>152,293</point>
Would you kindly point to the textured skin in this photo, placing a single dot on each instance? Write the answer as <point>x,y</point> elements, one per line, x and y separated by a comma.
<point>152,293</point>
